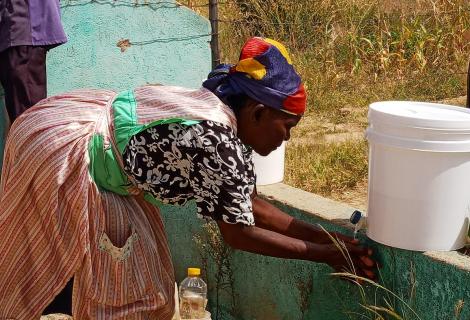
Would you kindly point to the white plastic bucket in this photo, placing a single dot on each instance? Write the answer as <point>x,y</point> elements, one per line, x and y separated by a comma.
<point>419,175</point>
<point>270,169</point>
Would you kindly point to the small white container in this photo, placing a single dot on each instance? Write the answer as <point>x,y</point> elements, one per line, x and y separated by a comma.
<point>270,169</point>
<point>419,175</point>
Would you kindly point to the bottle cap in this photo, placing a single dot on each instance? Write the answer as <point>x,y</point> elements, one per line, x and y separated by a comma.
<point>355,217</point>
<point>194,272</point>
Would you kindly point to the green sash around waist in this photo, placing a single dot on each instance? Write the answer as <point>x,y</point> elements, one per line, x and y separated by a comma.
<point>104,167</point>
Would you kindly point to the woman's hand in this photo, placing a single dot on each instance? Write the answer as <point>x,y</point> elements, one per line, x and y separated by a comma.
<point>348,256</point>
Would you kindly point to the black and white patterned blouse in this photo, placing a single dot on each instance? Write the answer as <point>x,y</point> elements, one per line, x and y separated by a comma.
<point>205,162</point>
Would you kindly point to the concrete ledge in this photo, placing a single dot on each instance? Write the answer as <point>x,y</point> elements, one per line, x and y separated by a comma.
<point>338,213</point>
<point>318,206</point>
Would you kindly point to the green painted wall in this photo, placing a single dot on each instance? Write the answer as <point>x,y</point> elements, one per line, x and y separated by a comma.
<point>265,288</point>
<point>169,45</point>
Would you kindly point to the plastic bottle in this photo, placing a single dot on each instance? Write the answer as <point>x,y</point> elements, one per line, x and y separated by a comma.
<point>193,296</point>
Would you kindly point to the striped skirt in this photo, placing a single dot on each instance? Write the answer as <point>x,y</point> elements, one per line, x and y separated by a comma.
<point>55,223</point>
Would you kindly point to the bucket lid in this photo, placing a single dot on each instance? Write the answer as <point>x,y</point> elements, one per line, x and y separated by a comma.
<point>419,126</point>
<point>420,114</point>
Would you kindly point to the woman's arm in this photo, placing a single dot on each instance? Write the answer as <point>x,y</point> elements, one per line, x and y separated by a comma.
<point>266,242</point>
<point>257,240</point>
<point>280,235</point>
<point>271,218</point>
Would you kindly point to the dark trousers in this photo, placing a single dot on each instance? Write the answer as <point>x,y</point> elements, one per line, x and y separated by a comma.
<point>23,77</point>
<point>62,302</point>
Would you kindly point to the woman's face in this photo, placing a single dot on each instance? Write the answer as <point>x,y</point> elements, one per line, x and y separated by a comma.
<point>264,128</point>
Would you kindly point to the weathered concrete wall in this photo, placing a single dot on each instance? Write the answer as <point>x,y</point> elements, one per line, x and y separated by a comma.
<point>168,45</point>
<point>432,283</point>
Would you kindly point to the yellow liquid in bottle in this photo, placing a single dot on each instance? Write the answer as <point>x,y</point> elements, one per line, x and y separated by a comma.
<point>192,306</point>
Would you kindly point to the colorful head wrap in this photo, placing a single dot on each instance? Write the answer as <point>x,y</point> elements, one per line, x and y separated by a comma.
<point>265,73</point>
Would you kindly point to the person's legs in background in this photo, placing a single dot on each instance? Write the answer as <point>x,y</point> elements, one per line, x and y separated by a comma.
<point>23,77</point>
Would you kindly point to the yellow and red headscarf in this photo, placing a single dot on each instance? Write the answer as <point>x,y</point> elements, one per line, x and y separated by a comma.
<point>265,73</point>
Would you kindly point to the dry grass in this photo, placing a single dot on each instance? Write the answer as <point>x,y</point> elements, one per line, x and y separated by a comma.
<point>351,53</point>
<point>327,168</point>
